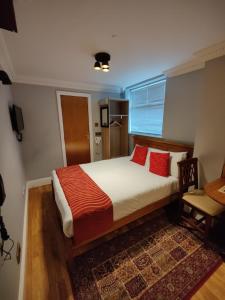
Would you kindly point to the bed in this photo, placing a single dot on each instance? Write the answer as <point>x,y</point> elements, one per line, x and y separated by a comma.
<point>133,190</point>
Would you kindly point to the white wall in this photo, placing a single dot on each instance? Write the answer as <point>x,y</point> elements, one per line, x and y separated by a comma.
<point>210,137</point>
<point>12,172</point>
<point>41,147</point>
<point>183,95</point>
<point>195,112</point>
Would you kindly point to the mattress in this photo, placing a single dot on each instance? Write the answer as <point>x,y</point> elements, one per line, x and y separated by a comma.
<point>129,186</point>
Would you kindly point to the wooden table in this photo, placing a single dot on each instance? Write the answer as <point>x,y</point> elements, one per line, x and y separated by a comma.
<point>212,188</point>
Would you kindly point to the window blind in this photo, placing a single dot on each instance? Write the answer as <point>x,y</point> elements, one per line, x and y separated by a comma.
<point>147,108</point>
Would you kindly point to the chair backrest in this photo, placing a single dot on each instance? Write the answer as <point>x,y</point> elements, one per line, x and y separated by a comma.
<point>188,174</point>
<point>223,171</point>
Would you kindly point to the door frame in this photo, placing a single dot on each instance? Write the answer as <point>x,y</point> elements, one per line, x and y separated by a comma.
<point>91,139</point>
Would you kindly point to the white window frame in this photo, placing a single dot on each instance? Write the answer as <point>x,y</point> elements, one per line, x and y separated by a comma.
<point>140,85</point>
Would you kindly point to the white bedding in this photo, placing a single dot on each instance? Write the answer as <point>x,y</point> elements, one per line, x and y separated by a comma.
<point>129,186</point>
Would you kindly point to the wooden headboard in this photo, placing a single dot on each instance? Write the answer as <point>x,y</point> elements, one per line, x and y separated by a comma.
<point>163,144</point>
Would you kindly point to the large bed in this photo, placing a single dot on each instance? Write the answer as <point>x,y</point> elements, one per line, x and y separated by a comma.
<point>133,190</point>
<point>129,186</point>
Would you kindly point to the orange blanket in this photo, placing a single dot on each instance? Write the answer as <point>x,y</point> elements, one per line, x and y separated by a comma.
<point>91,208</point>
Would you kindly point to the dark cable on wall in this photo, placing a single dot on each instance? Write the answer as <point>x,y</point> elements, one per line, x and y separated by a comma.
<point>5,237</point>
<point>5,253</point>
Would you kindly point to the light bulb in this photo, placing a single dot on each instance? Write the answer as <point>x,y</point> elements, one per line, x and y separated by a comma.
<point>105,69</point>
<point>97,66</point>
<point>105,65</point>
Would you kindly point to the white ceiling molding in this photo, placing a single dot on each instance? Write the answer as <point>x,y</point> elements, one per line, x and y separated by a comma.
<point>5,60</point>
<point>190,66</point>
<point>198,60</point>
<point>211,52</point>
<point>67,84</point>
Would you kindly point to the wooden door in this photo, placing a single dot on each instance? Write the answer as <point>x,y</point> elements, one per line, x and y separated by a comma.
<point>76,129</point>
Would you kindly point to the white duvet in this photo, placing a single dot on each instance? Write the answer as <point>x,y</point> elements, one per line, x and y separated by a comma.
<point>129,186</point>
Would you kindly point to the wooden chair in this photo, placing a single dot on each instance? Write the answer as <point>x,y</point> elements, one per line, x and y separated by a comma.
<point>196,200</point>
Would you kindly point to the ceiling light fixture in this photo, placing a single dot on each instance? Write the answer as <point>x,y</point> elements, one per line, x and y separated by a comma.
<point>102,61</point>
<point>97,66</point>
<point>105,69</point>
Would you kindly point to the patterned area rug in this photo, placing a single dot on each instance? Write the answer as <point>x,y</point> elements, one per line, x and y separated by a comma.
<point>152,260</point>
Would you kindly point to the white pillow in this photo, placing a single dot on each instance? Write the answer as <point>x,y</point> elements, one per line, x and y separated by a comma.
<point>175,158</point>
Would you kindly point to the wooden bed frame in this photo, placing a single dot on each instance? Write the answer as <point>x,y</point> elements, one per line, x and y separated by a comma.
<point>158,143</point>
<point>163,144</point>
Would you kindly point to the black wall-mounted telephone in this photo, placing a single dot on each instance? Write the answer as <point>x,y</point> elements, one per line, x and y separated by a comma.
<point>2,191</point>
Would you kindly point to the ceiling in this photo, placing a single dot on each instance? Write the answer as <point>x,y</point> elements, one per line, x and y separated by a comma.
<point>57,39</point>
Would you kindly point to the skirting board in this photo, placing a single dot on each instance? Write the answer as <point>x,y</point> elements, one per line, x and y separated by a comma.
<point>30,184</point>
<point>38,182</point>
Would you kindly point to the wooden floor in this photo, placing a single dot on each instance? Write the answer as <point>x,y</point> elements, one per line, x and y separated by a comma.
<point>46,271</point>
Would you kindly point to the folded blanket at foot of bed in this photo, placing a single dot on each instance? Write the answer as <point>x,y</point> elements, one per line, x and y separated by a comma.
<point>91,207</point>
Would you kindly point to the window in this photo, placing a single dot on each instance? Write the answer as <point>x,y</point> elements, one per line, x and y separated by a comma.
<point>147,107</point>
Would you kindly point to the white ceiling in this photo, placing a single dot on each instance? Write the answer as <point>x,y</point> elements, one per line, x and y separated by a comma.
<point>57,39</point>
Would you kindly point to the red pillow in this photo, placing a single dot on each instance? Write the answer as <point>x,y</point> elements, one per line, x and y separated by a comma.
<point>159,163</point>
<point>140,154</point>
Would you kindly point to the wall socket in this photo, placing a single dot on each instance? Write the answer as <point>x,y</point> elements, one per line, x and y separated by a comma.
<point>18,252</point>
